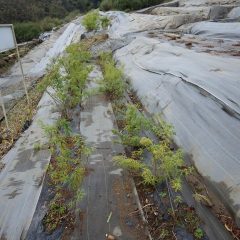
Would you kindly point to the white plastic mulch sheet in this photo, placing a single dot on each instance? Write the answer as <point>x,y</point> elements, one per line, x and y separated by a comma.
<point>62,42</point>
<point>223,30</point>
<point>199,94</point>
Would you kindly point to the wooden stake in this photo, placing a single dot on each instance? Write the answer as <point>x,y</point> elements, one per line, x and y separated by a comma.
<point>21,67</point>
<point>4,110</point>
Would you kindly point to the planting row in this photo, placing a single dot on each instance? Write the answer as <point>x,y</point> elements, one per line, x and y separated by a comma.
<point>68,78</point>
<point>157,165</point>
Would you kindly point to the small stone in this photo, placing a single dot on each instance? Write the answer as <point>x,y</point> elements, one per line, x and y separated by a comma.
<point>189,44</point>
<point>117,232</point>
<point>83,36</point>
<point>165,217</point>
<point>129,223</point>
<point>1,166</point>
<point>110,237</point>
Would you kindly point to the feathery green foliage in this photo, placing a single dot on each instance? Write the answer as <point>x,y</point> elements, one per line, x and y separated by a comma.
<point>129,163</point>
<point>94,21</point>
<point>165,163</point>
<point>105,22</point>
<point>135,123</point>
<point>66,170</point>
<point>68,78</point>
<point>91,20</point>
<point>112,84</point>
<point>198,233</point>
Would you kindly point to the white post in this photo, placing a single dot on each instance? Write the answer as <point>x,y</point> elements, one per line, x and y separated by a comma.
<point>21,67</point>
<point>4,110</point>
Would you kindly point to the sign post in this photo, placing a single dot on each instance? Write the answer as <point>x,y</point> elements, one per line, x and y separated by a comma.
<point>20,63</point>
<point>7,42</point>
<point>4,111</point>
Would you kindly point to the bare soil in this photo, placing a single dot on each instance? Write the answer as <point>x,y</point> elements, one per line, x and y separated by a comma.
<point>19,118</point>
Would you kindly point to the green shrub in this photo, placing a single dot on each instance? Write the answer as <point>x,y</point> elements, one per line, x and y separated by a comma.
<point>105,22</point>
<point>198,233</point>
<point>105,57</point>
<point>66,171</point>
<point>48,23</point>
<point>27,31</point>
<point>129,163</point>
<point>112,84</point>
<point>134,124</point>
<point>107,5</point>
<point>72,15</point>
<point>69,89</point>
<point>91,20</point>
<point>165,164</point>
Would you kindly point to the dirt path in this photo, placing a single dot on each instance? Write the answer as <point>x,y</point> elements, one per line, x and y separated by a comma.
<point>109,199</point>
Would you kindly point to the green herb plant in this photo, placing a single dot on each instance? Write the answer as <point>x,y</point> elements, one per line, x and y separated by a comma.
<point>68,78</point>
<point>94,21</point>
<point>198,233</point>
<point>165,163</point>
<point>66,171</point>
<point>112,83</point>
<point>136,134</point>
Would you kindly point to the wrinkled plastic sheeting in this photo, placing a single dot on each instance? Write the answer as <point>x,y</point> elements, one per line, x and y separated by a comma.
<point>199,94</point>
<point>124,23</point>
<point>164,11</point>
<point>188,3</point>
<point>224,30</point>
<point>62,42</point>
<point>235,13</point>
<point>22,177</point>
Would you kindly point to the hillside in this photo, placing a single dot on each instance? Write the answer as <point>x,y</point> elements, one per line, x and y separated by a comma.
<point>130,129</point>
<point>34,10</point>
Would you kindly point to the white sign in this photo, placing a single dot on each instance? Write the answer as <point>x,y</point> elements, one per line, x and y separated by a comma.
<point>6,38</point>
